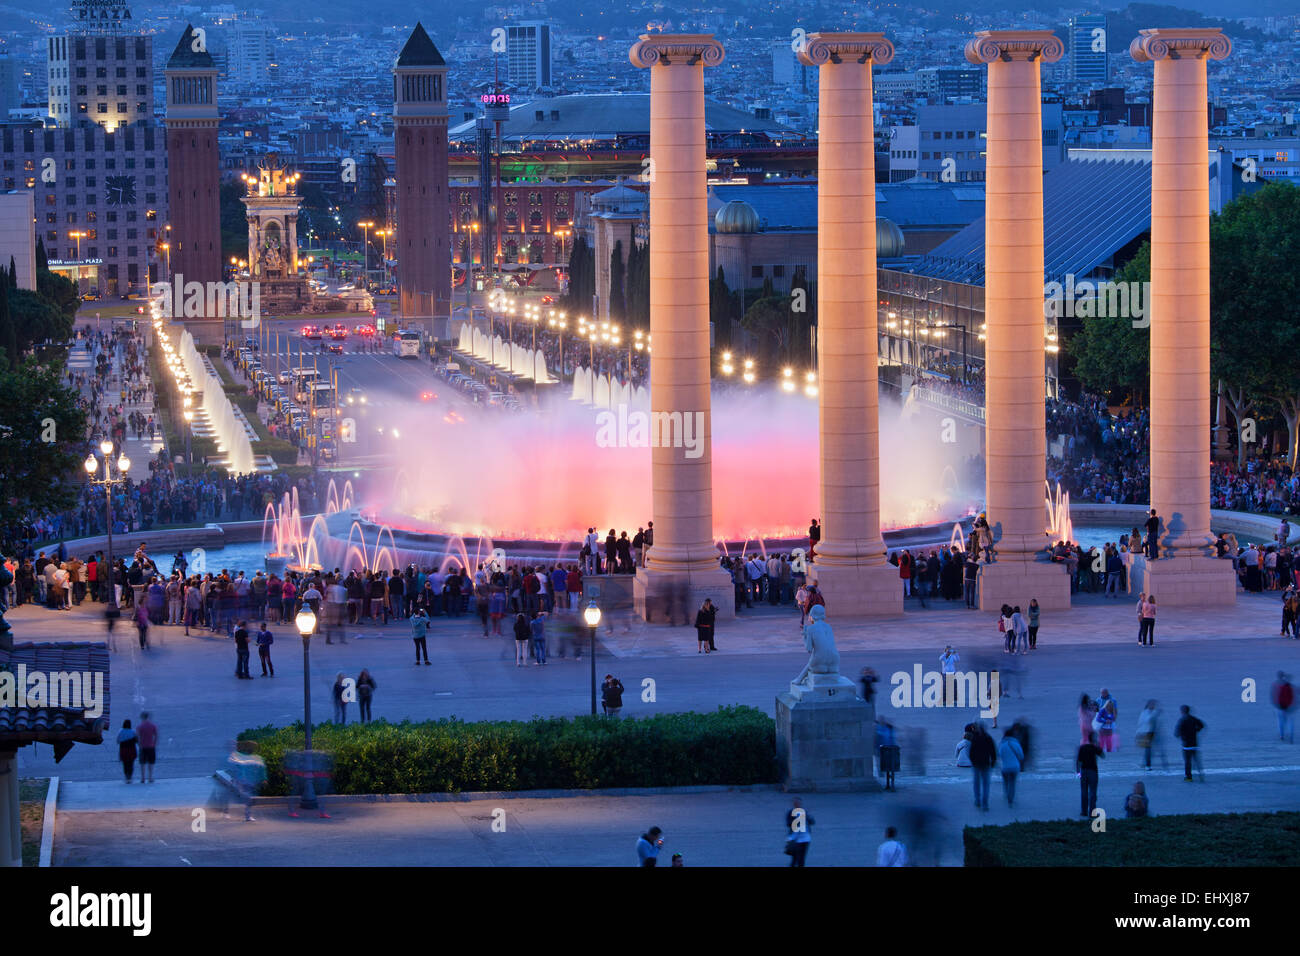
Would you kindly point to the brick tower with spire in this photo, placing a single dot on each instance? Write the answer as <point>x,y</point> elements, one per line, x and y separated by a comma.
<point>193,162</point>
<point>423,223</point>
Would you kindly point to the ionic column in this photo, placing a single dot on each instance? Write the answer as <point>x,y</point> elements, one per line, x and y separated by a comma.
<point>1015,397</point>
<point>1179,310</point>
<point>850,568</point>
<point>684,553</point>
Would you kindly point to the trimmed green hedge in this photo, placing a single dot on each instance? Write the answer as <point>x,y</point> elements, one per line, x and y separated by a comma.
<point>732,746</point>
<point>1193,839</point>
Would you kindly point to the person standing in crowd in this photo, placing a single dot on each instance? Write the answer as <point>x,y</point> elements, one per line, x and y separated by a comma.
<point>1020,632</point>
<point>241,651</point>
<point>1104,722</point>
<point>365,693</point>
<point>1085,766</point>
<point>148,734</point>
<point>611,695</point>
<point>1188,730</point>
<point>420,635</point>
<point>1141,614</point>
<point>1087,712</point>
<point>1012,756</point>
<point>705,618</point>
<point>142,624</point>
<point>264,641</point>
<point>798,826</point>
<point>1283,696</point>
<point>1032,621</point>
<point>891,852</point>
<point>537,631</point>
<point>648,846</point>
<point>126,749</point>
<point>523,634</point>
<point>983,755</point>
<point>948,662</point>
<point>340,699</point>
<point>1148,733</point>
<point>970,581</point>
<point>1153,530</point>
<point>1148,628</point>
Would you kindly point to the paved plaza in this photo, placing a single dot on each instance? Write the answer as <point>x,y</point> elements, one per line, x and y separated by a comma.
<point>1201,658</point>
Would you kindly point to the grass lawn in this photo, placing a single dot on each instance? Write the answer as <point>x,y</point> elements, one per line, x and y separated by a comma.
<point>31,816</point>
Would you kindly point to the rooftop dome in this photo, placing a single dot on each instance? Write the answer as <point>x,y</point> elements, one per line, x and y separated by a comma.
<point>736,216</point>
<point>889,240</point>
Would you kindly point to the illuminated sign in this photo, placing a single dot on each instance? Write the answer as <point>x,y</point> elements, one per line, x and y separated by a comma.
<point>493,99</point>
<point>100,13</point>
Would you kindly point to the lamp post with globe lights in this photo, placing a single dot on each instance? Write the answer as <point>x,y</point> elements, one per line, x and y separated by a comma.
<point>108,481</point>
<point>592,616</point>
<point>305,622</point>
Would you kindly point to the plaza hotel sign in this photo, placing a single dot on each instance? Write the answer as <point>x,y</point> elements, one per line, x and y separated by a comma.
<point>102,14</point>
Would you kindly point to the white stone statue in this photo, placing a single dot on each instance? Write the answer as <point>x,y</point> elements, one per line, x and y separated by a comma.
<point>824,663</point>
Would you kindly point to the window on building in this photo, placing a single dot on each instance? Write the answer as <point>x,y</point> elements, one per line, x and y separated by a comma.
<point>102,107</point>
<point>778,272</point>
<point>101,73</point>
<point>756,272</point>
<point>101,90</point>
<point>121,107</point>
<point>51,218</point>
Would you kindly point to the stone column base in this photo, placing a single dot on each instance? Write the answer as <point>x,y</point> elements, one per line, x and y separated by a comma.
<point>1185,581</point>
<point>1011,581</point>
<point>865,591</point>
<point>824,739</point>
<point>672,597</point>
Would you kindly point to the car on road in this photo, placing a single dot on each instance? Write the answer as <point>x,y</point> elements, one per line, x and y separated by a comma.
<point>339,331</point>
<point>365,329</point>
<point>336,347</point>
<point>310,332</point>
<point>356,397</point>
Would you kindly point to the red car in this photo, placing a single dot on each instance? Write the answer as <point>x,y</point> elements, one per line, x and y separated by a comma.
<point>310,332</point>
<point>365,330</point>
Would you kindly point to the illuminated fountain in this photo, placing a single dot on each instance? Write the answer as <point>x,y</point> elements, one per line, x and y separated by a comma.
<point>1059,525</point>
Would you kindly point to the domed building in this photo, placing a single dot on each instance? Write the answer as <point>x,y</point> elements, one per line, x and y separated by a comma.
<point>736,217</point>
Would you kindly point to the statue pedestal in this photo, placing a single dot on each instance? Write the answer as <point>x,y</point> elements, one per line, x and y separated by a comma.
<point>825,734</point>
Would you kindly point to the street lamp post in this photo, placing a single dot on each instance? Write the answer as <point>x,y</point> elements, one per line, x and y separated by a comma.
<point>592,616</point>
<point>365,247</point>
<point>108,481</point>
<point>306,624</point>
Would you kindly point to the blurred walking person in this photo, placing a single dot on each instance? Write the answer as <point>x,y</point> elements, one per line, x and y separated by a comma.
<point>798,824</point>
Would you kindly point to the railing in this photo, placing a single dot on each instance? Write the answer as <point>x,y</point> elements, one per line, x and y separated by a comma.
<point>948,403</point>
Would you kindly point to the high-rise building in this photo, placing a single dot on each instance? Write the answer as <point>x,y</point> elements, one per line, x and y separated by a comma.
<point>193,162</point>
<point>423,212</point>
<point>248,53</point>
<point>1088,49</point>
<point>941,84</point>
<point>100,80</point>
<point>9,97</point>
<point>528,54</point>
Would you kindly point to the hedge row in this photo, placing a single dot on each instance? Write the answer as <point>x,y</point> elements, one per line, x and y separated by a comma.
<point>732,746</point>
<point>1194,839</point>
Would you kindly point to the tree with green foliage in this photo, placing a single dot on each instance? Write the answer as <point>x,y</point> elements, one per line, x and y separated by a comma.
<point>638,286</point>
<point>1112,357</point>
<point>35,319</point>
<point>60,291</point>
<point>780,330</point>
<point>1254,317</point>
<point>582,277</point>
<point>43,434</point>
<point>617,297</point>
<point>42,262</point>
<point>8,335</point>
<point>722,307</point>
<point>13,273</point>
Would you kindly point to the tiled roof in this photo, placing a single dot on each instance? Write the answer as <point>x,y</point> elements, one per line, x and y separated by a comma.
<point>25,725</point>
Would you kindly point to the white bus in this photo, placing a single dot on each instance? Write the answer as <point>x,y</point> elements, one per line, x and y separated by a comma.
<point>406,344</point>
